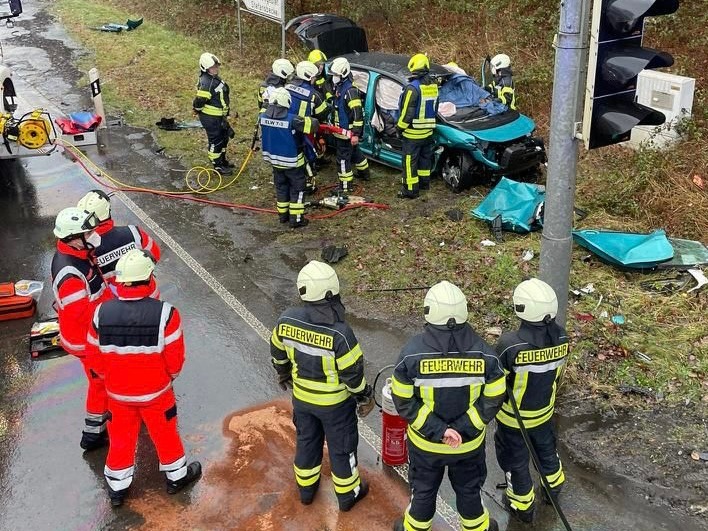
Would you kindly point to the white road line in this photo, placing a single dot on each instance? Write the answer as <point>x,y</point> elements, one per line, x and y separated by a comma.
<point>446,512</point>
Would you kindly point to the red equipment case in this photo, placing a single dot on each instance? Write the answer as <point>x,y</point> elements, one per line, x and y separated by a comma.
<point>14,306</point>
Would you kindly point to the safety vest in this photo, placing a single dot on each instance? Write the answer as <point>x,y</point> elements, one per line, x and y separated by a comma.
<point>326,360</point>
<point>434,391</point>
<point>424,112</point>
<point>216,92</point>
<point>279,143</point>
<point>533,374</point>
<point>114,244</point>
<point>65,266</point>
<point>131,337</point>
<point>301,95</point>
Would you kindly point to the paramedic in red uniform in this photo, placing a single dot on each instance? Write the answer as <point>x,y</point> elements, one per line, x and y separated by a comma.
<point>114,241</point>
<point>138,348</point>
<point>78,287</point>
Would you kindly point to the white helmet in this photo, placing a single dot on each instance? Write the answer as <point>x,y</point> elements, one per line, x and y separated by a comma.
<point>135,266</point>
<point>98,202</point>
<point>281,97</point>
<point>283,68</point>
<point>74,221</point>
<point>444,302</point>
<point>499,61</point>
<point>340,67</point>
<point>535,301</point>
<point>317,281</point>
<point>306,70</point>
<point>207,60</point>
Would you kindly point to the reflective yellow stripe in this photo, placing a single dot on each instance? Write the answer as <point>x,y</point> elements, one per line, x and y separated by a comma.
<point>354,103</point>
<point>417,134</point>
<point>478,524</point>
<point>203,94</point>
<point>442,448</point>
<point>345,485</point>
<point>322,108</point>
<point>323,399</point>
<point>306,477</point>
<point>423,414</point>
<point>359,388</point>
<point>496,388</point>
<point>400,389</point>
<point>522,502</point>
<point>326,387</point>
<point>411,524</point>
<point>213,111</point>
<point>307,128</point>
<point>508,419</point>
<point>276,341</point>
<point>476,420</point>
<point>401,124</point>
<point>554,480</point>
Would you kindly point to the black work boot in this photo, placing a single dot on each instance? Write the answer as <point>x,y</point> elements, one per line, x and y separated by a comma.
<point>351,502</point>
<point>194,472</point>
<point>555,492</point>
<point>364,175</point>
<point>525,516</point>
<point>308,494</point>
<point>398,525</point>
<point>117,497</point>
<point>408,194</point>
<point>228,164</point>
<point>223,170</point>
<point>93,441</point>
<point>284,217</point>
<point>424,184</point>
<point>299,224</point>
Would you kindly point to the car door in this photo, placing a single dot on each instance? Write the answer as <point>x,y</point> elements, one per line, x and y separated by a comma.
<point>384,113</point>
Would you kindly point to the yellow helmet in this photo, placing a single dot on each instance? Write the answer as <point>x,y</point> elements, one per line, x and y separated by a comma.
<point>316,56</point>
<point>419,62</point>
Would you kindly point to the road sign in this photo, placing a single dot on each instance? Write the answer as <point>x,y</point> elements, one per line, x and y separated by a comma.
<point>273,10</point>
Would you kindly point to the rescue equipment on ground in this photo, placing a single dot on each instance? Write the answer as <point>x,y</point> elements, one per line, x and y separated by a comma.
<point>337,202</point>
<point>14,306</point>
<point>32,130</point>
<point>519,206</point>
<point>115,27</point>
<point>78,122</point>
<point>44,340</point>
<point>394,451</point>
<point>627,249</point>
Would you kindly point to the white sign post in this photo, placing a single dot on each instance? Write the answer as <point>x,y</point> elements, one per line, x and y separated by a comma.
<point>273,10</point>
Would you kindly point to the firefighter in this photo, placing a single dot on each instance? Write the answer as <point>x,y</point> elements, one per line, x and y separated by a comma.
<point>282,139</point>
<point>349,115</point>
<point>281,71</point>
<point>503,86</point>
<point>78,287</point>
<point>115,241</point>
<point>316,353</point>
<point>212,105</point>
<point>418,110</point>
<point>319,59</point>
<point>138,348</point>
<point>306,100</point>
<point>533,358</point>
<point>448,385</point>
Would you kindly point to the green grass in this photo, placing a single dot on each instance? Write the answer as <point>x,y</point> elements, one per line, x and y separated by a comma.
<point>151,72</point>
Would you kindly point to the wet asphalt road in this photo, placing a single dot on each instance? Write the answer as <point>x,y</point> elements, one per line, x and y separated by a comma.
<point>45,481</point>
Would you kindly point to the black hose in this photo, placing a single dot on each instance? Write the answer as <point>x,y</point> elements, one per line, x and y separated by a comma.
<point>536,460</point>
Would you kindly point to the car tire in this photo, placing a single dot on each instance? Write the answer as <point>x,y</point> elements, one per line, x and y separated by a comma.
<point>456,170</point>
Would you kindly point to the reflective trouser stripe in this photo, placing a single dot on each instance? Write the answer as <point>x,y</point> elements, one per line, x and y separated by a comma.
<point>306,477</point>
<point>521,502</point>
<point>364,164</point>
<point>95,423</point>
<point>345,485</point>
<point>118,479</point>
<point>556,479</point>
<point>411,524</point>
<point>213,154</point>
<point>411,176</point>
<point>175,470</point>
<point>476,524</point>
<point>282,207</point>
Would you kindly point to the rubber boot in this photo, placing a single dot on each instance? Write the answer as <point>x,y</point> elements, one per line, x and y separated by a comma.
<point>424,184</point>
<point>194,472</point>
<point>306,496</point>
<point>408,194</point>
<point>351,502</point>
<point>299,224</point>
<point>93,441</point>
<point>221,166</point>
<point>555,492</point>
<point>117,497</point>
<point>364,175</point>
<point>284,218</point>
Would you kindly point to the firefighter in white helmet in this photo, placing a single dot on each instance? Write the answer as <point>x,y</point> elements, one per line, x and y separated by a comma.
<point>315,352</point>
<point>448,385</point>
<point>138,348</point>
<point>502,86</point>
<point>281,72</point>
<point>534,355</point>
<point>211,103</point>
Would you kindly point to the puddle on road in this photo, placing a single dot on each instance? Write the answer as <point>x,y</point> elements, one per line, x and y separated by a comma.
<point>253,487</point>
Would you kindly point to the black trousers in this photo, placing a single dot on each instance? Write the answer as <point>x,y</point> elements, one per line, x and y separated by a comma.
<point>417,164</point>
<point>338,424</point>
<point>513,457</point>
<point>346,156</point>
<point>289,192</point>
<point>467,473</point>
<point>217,136</point>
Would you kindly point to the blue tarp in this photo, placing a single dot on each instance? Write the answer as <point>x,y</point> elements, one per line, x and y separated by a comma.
<point>627,249</point>
<point>463,91</point>
<point>518,204</point>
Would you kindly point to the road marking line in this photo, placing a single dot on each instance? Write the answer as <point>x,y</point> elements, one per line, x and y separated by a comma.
<point>446,512</point>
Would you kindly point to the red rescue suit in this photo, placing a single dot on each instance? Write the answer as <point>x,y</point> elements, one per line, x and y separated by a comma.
<point>78,288</point>
<point>138,348</point>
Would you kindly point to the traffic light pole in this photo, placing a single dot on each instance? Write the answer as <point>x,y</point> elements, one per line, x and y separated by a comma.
<point>557,240</point>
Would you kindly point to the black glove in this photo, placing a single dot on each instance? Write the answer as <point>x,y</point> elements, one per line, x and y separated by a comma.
<point>285,381</point>
<point>365,401</point>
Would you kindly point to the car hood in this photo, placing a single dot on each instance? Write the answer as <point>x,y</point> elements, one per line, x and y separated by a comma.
<point>520,127</point>
<point>332,34</point>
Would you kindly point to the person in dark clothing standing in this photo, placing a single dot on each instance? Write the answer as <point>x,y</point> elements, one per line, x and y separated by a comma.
<point>212,105</point>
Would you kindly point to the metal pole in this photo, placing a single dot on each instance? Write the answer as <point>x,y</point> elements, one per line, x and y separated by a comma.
<point>95,83</point>
<point>282,26</point>
<point>557,242</point>
<point>238,16</point>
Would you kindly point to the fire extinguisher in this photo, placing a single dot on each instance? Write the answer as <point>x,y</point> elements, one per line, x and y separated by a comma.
<point>393,427</point>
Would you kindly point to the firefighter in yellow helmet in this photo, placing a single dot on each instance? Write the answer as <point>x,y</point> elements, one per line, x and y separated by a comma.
<point>418,107</point>
<point>315,352</point>
<point>533,358</point>
<point>320,82</point>
<point>448,385</point>
<point>502,87</point>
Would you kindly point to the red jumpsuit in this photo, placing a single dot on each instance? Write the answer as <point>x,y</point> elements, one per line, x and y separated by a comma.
<point>138,348</point>
<point>78,288</point>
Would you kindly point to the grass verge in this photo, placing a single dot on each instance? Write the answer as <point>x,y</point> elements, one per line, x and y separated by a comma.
<point>663,345</point>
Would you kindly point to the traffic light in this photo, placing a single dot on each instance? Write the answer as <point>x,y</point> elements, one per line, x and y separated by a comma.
<point>615,60</point>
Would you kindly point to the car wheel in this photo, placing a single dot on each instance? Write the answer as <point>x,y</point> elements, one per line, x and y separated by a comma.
<point>456,171</point>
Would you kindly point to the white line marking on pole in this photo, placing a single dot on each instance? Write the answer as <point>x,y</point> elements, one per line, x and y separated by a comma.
<point>446,512</point>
